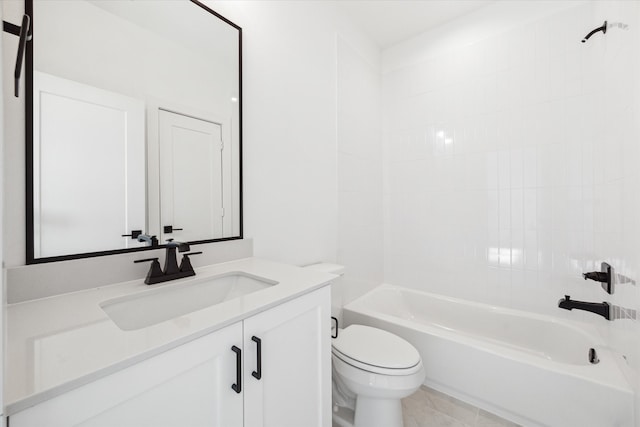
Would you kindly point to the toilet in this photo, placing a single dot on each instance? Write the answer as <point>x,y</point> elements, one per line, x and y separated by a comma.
<point>372,370</point>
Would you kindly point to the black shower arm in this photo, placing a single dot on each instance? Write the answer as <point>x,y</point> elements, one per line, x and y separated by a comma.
<point>23,32</point>
<point>603,29</point>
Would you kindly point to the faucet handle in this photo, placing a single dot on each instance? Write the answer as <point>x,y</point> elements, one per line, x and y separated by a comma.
<point>605,276</point>
<point>598,276</point>
<point>155,271</point>
<point>185,264</point>
<point>145,260</point>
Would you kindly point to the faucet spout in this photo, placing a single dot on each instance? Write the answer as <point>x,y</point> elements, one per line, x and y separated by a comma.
<point>600,308</point>
<point>171,260</point>
<point>151,240</point>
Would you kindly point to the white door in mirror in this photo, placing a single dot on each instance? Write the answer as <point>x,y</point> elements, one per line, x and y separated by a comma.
<point>86,206</point>
<point>190,177</point>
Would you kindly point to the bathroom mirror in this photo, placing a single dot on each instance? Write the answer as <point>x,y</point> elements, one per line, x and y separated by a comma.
<point>134,125</point>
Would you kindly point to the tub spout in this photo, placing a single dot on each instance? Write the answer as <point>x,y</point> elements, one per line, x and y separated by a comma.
<point>601,308</point>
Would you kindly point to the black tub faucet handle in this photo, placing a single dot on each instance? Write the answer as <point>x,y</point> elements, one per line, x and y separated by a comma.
<point>596,275</point>
<point>604,276</point>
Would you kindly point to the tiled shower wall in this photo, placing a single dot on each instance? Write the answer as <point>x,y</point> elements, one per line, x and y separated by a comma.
<point>511,155</point>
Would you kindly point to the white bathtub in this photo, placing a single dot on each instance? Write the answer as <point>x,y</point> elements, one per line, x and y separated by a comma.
<point>531,369</point>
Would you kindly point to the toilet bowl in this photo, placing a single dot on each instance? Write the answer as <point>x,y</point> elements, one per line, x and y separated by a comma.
<point>372,371</point>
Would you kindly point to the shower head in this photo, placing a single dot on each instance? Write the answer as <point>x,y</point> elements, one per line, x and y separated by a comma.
<point>603,28</point>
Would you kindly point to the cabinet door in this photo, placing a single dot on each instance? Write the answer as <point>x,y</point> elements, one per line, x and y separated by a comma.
<point>294,388</point>
<point>189,386</point>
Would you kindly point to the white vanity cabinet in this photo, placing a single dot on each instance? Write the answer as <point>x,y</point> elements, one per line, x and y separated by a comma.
<point>191,385</point>
<point>294,385</point>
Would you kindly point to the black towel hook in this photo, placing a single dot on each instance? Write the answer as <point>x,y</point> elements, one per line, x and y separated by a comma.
<point>23,32</point>
<point>603,28</point>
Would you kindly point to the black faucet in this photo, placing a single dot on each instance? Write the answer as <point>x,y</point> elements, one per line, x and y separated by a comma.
<point>151,240</point>
<point>605,276</point>
<point>171,270</point>
<point>601,308</point>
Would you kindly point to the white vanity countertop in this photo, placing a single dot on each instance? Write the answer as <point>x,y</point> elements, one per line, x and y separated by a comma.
<point>58,343</point>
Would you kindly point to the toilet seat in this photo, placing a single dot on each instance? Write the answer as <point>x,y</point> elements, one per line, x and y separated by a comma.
<point>376,351</point>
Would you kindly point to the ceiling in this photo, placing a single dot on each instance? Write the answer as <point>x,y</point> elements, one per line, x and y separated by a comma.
<point>388,22</point>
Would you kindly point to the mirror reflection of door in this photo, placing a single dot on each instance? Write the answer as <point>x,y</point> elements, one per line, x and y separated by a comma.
<point>190,178</point>
<point>89,167</point>
<point>176,55</point>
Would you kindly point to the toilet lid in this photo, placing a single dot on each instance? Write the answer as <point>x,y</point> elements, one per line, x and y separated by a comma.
<point>375,348</point>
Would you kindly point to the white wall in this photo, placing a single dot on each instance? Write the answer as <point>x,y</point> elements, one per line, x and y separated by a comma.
<point>511,159</point>
<point>289,129</point>
<point>2,288</point>
<point>13,133</point>
<point>293,125</point>
<point>360,244</point>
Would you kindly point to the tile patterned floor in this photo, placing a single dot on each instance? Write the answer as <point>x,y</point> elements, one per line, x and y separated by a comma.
<point>430,408</point>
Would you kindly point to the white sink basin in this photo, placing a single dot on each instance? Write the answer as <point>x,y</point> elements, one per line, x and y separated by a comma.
<point>169,301</point>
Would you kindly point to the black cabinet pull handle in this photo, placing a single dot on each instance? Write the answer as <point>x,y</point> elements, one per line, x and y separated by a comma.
<point>237,387</point>
<point>258,374</point>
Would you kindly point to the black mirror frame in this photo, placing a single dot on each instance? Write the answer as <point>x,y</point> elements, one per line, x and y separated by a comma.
<point>30,259</point>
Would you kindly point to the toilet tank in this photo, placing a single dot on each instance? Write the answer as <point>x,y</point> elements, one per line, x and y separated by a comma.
<point>337,285</point>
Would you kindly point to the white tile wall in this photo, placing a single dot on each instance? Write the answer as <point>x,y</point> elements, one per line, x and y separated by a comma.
<point>511,160</point>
